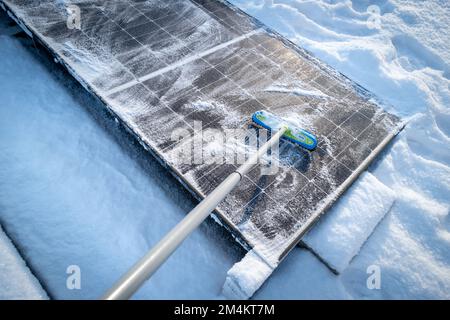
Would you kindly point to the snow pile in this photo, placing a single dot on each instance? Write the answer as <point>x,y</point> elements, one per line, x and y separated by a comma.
<point>339,235</point>
<point>16,280</point>
<point>246,276</point>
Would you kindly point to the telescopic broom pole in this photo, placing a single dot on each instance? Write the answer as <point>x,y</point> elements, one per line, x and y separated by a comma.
<point>147,265</point>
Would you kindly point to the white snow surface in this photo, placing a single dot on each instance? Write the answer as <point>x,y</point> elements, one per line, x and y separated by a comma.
<point>246,276</point>
<point>16,280</point>
<point>339,235</point>
<point>71,195</point>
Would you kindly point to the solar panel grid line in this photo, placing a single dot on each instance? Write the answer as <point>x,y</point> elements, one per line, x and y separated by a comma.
<point>177,64</point>
<point>300,192</point>
<point>259,41</point>
<point>309,179</point>
<point>105,52</point>
<point>136,39</point>
<point>267,51</point>
<point>341,142</point>
<point>177,153</point>
<point>275,71</point>
<point>289,170</point>
<point>151,21</point>
<point>251,210</point>
<point>307,81</point>
<point>283,65</point>
<point>209,187</point>
<point>232,56</point>
<point>200,177</point>
<point>363,122</point>
<point>142,7</point>
<point>229,62</point>
<point>193,21</point>
<point>247,134</point>
<point>240,86</point>
<point>137,79</point>
<point>164,27</point>
<point>269,45</point>
<point>366,161</point>
<point>183,16</point>
<point>193,111</point>
<point>336,158</point>
<point>369,128</point>
<point>320,69</point>
<point>90,37</point>
<point>338,126</point>
<point>361,133</point>
<point>327,76</point>
<point>245,82</point>
<point>285,199</point>
<point>228,76</point>
<point>143,29</point>
<point>173,118</point>
<point>190,140</point>
<point>256,193</point>
<point>209,5</point>
<point>314,216</point>
<point>242,26</point>
<point>139,19</point>
<point>250,55</point>
<point>303,157</point>
<point>258,59</point>
<point>280,100</point>
<point>160,23</point>
<point>213,12</point>
<point>270,55</point>
<point>334,194</point>
<point>348,93</point>
<point>139,7</point>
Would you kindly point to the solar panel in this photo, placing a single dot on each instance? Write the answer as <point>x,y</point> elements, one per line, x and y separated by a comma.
<point>162,66</point>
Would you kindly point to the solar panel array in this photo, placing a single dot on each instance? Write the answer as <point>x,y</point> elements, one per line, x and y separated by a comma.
<point>160,66</point>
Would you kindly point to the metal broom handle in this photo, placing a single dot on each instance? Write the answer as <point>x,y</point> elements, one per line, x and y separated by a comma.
<point>148,264</point>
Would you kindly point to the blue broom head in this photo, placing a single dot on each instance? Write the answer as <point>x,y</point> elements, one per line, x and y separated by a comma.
<point>294,134</point>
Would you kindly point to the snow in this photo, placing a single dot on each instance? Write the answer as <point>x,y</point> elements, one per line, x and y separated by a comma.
<point>62,175</point>
<point>246,276</point>
<point>340,234</point>
<point>16,279</point>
